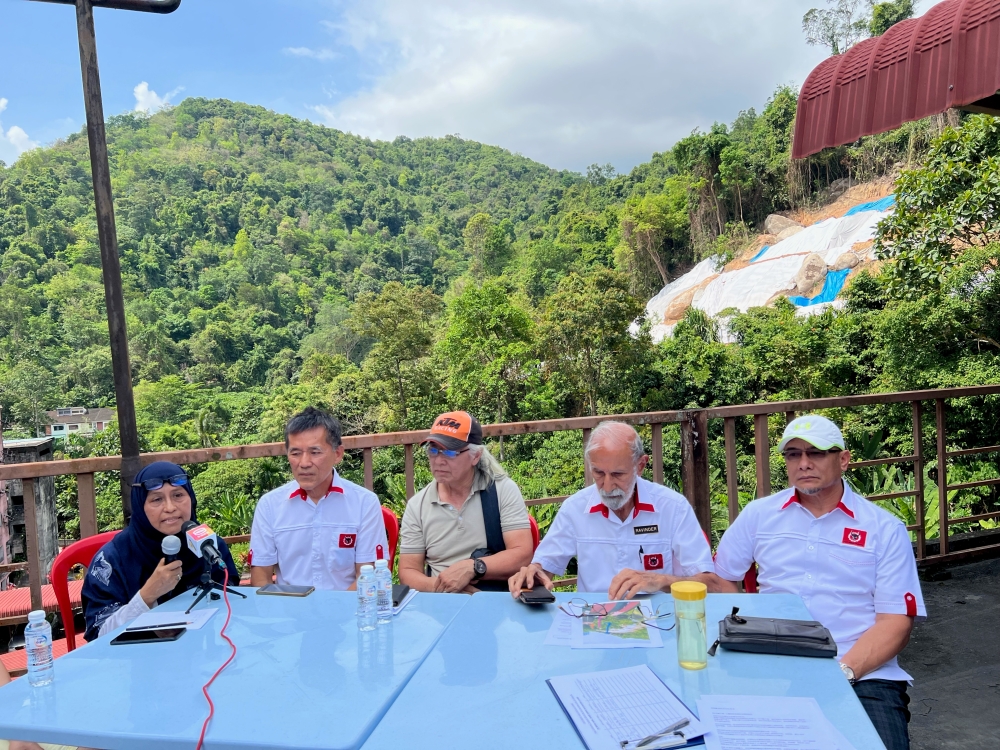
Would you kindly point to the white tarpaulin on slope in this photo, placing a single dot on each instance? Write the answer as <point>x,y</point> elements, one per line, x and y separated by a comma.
<point>750,287</point>
<point>657,306</point>
<point>831,238</point>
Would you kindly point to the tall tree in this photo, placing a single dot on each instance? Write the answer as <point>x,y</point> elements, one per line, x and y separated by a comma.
<point>838,27</point>
<point>888,14</point>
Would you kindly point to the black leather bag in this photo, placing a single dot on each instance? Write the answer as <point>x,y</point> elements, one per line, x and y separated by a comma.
<point>767,635</point>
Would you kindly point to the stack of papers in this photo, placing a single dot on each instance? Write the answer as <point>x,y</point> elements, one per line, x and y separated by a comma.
<point>623,708</point>
<point>155,620</point>
<point>754,722</point>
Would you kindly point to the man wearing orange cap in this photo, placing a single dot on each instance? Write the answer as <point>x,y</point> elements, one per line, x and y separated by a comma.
<point>470,525</point>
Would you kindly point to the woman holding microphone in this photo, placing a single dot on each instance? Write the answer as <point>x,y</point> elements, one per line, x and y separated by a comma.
<point>129,575</point>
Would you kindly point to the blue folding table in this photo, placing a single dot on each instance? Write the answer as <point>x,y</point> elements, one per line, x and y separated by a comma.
<point>304,677</point>
<point>483,685</point>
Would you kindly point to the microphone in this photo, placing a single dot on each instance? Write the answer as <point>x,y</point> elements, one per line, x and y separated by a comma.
<point>202,541</point>
<point>171,548</point>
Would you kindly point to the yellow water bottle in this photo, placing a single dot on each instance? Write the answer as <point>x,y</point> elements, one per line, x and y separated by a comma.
<point>689,614</point>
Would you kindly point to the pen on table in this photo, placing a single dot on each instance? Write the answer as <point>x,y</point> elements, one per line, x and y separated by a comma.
<point>672,728</point>
<point>160,626</point>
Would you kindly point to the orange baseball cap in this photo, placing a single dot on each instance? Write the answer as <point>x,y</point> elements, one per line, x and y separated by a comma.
<point>455,430</point>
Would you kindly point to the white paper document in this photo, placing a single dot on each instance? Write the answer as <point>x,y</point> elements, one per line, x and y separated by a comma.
<point>615,625</point>
<point>157,619</point>
<point>753,722</point>
<point>406,600</point>
<point>561,630</point>
<point>623,706</point>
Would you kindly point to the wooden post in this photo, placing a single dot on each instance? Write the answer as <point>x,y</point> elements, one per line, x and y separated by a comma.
<point>732,469</point>
<point>789,416</point>
<point>918,478</point>
<point>87,504</point>
<point>408,470</point>
<point>694,466</point>
<point>942,476</point>
<point>31,543</point>
<point>762,452</point>
<point>108,239</point>
<point>657,449</point>
<point>366,454</point>
<point>588,480</point>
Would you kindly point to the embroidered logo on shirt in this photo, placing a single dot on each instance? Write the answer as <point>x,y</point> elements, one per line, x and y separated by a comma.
<point>347,540</point>
<point>652,562</point>
<point>101,569</point>
<point>855,537</point>
<point>651,529</point>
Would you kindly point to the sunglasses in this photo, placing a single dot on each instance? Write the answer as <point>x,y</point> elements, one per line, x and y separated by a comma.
<point>178,480</point>
<point>812,455</point>
<point>433,451</point>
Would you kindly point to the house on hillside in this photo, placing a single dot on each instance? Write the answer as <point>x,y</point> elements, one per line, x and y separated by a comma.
<point>77,420</point>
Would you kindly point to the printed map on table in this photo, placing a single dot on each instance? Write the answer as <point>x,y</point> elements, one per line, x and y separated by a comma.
<point>616,625</point>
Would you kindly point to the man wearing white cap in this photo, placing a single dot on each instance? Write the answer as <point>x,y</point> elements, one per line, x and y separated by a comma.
<point>849,560</point>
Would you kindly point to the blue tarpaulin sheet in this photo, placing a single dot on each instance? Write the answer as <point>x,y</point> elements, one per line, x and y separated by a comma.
<point>883,204</point>
<point>831,288</point>
<point>762,251</point>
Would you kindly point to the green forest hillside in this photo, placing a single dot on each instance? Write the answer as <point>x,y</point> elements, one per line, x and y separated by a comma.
<point>270,263</point>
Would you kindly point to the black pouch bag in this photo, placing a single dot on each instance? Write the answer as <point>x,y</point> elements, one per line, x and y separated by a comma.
<point>766,635</point>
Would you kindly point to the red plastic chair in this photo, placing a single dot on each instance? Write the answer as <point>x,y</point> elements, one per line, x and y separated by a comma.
<point>534,533</point>
<point>78,553</point>
<point>391,531</point>
<point>750,580</point>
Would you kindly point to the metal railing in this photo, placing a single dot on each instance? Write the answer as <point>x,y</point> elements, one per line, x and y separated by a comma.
<point>695,477</point>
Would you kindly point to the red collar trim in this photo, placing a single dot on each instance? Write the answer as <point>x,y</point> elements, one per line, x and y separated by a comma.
<point>600,508</point>
<point>301,493</point>
<point>840,506</point>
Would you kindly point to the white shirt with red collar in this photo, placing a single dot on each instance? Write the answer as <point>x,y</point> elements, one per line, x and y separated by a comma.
<point>661,535</point>
<point>318,543</point>
<point>848,565</point>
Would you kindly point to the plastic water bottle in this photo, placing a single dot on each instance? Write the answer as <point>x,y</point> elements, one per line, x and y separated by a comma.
<point>367,599</point>
<point>38,644</point>
<point>383,585</point>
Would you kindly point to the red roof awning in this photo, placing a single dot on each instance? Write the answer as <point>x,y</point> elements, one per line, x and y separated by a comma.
<point>16,603</point>
<point>949,57</point>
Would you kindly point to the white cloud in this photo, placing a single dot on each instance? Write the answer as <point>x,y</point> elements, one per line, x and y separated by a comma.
<point>147,100</point>
<point>567,82</point>
<point>315,54</point>
<point>14,141</point>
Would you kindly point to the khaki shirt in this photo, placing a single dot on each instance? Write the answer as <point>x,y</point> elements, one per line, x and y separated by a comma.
<point>444,535</point>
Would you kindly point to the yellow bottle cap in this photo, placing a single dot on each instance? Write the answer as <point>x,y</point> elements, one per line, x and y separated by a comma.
<point>688,591</point>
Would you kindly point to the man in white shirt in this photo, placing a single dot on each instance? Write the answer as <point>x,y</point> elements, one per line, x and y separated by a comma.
<point>627,534</point>
<point>319,529</point>
<point>849,560</point>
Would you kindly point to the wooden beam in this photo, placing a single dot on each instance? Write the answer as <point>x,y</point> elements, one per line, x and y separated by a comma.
<point>588,480</point>
<point>694,467</point>
<point>918,479</point>
<point>408,470</point>
<point>369,471</point>
<point>31,544</point>
<point>657,453</point>
<point>942,475</point>
<point>732,469</point>
<point>87,504</point>
<point>762,453</point>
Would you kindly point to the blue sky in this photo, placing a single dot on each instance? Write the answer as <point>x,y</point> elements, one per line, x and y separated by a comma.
<point>566,82</point>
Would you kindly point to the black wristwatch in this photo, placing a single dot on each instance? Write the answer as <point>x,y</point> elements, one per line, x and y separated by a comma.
<point>479,567</point>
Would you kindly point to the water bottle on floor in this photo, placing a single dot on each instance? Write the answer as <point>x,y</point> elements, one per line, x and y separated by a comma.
<point>383,586</point>
<point>38,644</point>
<point>367,599</point>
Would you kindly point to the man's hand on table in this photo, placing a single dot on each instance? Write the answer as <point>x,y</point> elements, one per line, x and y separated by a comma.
<point>630,582</point>
<point>455,578</point>
<point>527,578</point>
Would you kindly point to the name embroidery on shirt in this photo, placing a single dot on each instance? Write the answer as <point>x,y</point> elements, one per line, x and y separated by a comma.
<point>652,562</point>
<point>651,529</point>
<point>855,537</point>
<point>347,540</point>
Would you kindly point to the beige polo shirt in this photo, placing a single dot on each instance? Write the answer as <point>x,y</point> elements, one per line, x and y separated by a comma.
<point>444,535</point>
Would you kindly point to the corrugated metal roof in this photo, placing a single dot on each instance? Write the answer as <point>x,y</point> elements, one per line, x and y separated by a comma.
<point>949,57</point>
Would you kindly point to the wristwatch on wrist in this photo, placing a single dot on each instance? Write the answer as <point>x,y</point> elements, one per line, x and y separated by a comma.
<point>848,673</point>
<point>479,567</point>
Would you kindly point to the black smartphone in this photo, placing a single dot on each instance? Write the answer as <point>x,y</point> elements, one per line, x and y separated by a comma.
<point>285,589</point>
<point>538,595</point>
<point>399,592</point>
<point>147,636</point>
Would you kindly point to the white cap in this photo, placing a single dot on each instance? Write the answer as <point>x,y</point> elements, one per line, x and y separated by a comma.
<point>815,430</point>
<point>381,563</point>
<point>36,615</point>
<point>367,569</point>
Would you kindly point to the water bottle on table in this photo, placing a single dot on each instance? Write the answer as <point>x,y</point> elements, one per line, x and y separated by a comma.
<point>689,614</point>
<point>367,598</point>
<point>383,586</point>
<point>38,644</point>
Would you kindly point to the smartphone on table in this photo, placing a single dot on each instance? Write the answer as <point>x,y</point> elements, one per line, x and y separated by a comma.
<point>153,635</point>
<point>285,589</point>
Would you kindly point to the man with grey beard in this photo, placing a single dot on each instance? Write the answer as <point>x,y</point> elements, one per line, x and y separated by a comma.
<point>629,536</point>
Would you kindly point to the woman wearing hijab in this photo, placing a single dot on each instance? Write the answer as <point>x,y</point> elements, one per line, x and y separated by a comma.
<point>129,576</point>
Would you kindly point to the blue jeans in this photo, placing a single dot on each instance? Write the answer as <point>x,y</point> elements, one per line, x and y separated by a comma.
<point>885,702</point>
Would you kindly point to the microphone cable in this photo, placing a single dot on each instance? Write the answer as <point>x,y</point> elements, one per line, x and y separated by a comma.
<point>204,689</point>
